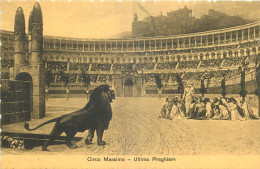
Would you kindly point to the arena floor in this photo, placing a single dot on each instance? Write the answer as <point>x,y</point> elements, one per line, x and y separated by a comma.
<point>136,130</point>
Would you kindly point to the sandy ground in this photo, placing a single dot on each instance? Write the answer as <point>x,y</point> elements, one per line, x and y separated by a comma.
<point>136,130</point>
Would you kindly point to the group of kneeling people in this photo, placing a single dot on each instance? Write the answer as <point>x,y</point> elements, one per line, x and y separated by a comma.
<point>204,108</point>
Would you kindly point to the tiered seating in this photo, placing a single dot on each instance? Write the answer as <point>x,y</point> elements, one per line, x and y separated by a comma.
<point>122,67</point>
<point>211,63</point>
<point>167,65</point>
<point>79,66</point>
<point>193,76</point>
<point>55,65</point>
<point>144,66</point>
<point>188,64</point>
<point>233,61</point>
<point>100,67</point>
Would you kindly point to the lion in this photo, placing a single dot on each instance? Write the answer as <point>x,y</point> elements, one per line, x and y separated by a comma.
<point>96,115</point>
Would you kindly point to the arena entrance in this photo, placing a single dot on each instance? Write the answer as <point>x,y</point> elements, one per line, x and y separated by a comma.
<point>128,88</point>
<point>16,96</point>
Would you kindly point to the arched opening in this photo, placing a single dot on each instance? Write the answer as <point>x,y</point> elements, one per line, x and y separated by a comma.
<point>24,77</point>
<point>128,88</point>
<point>27,89</point>
<point>201,56</point>
<point>224,55</point>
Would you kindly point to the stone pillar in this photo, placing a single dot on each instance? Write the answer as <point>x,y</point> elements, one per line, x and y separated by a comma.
<point>19,38</point>
<point>37,35</point>
<point>258,87</point>
<point>37,67</point>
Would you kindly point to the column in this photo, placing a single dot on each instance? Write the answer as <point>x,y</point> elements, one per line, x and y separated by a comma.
<point>248,36</point>
<point>19,38</point>
<point>242,34</point>
<point>213,39</point>
<point>200,40</point>
<point>83,47</point>
<point>144,44</point>
<point>133,45</point>
<point>231,38</point>
<point>105,46</point>
<point>150,44</point>
<point>178,43</point>
<point>219,38</point>
<point>155,44</point>
<point>207,40</point>
<point>195,41</point>
<point>237,36</point>
<point>166,44</point>
<point>189,42</point>
<point>225,37</point>
<point>116,45</point>
<point>161,43</point>
<point>94,46</point>
<point>172,43</point>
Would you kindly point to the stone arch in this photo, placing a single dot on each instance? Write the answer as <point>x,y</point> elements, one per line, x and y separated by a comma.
<point>230,53</point>
<point>242,52</point>
<point>213,55</point>
<point>128,88</point>
<point>201,56</point>
<point>224,54</point>
<point>207,55</point>
<point>24,76</point>
<point>27,91</point>
<point>248,51</point>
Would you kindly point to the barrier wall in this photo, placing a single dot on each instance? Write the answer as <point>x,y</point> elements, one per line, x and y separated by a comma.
<point>16,101</point>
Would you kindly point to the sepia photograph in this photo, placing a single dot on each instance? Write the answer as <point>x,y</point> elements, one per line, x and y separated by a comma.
<point>130,84</point>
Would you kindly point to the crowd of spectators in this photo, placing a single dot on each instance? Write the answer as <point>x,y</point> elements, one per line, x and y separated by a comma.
<point>7,63</point>
<point>211,63</point>
<point>123,67</point>
<point>233,61</point>
<point>248,44</point>
<point>167,65</point>
<point>194,76</point>
<point>144,66</point>
<point>57,65</point>
<point>188,64</point>
<point>100,67</point>
<point>104,78</point>
<point>79,66</point>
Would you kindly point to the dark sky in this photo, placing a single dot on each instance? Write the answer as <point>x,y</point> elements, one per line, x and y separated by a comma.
<point>85,19</point>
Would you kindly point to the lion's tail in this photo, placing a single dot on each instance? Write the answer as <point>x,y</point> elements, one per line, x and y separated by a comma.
<point>26,125</point>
